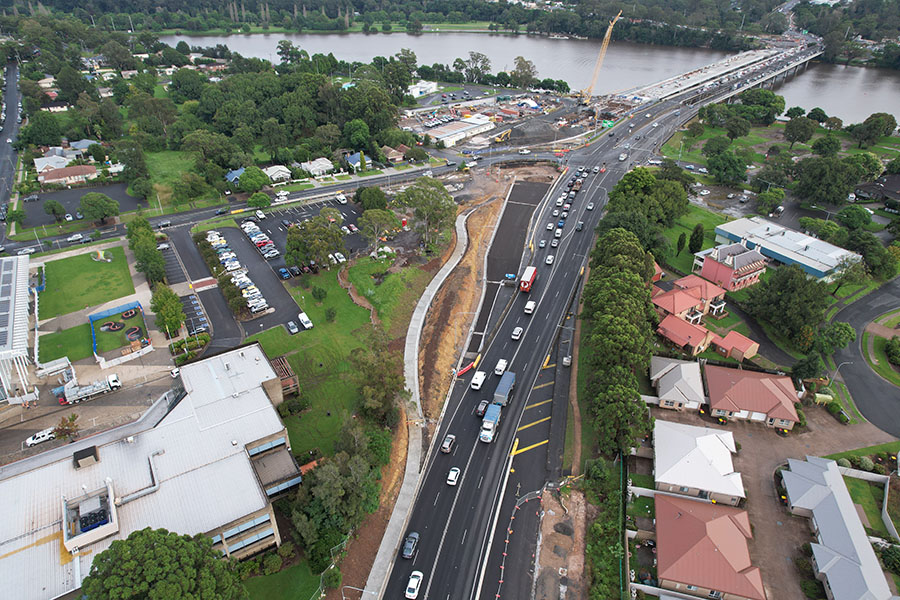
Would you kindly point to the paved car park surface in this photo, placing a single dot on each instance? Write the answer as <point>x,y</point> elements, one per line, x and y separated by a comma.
<point>174,271</point>
<point>195,319</point>
<point>70,199</point>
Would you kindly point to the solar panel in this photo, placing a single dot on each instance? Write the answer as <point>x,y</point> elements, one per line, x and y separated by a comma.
<point>4,320</point>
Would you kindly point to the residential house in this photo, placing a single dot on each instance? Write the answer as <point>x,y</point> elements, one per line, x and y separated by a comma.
<point>56,107</point>
<point>696,461</point>
<point>886,187</point>
<point>278,173</point>
<point>689,298</point>
<point>678,383</point>
<point>658,273</point>
<point>702,550</point>
<point>743,394</point>
<point>68,175</point>
<point>47,82</point>
<point>83,144</point>
<point>391,154</point>
<point>317,167</point>
<point>355,160</point>
<point>402,149</point>
<point>67,153</point>
<point>691,338</point>
<point>842,559</point>
<point>129,73</point>
<point>105,92</point>
<point>731,266</point>
<point>735,345</point>
<point>115,168</point>
<point>234,176</point>
<point>49,163</point>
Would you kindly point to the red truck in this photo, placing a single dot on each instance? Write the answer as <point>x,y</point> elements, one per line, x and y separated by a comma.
<point>528,279</point>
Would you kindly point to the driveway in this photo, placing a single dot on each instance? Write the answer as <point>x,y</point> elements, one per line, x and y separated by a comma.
<point>777,535</point>
<point>70,199</point>
<point>877,399</point>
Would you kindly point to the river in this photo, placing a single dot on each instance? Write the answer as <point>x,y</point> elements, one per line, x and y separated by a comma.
<point>851,93</point>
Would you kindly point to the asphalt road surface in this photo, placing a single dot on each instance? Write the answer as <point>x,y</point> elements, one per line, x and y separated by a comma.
<point>10,131</point>
<point>71,199</point>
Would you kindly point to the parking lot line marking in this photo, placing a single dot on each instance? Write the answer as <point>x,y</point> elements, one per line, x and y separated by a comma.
<point>549,366</point>
<point>543,385</point>
<point>533,424</point>
<point>527,448</point>
<point>536,404</point>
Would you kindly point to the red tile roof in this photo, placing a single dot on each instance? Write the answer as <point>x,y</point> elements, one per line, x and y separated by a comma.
<point>681,332</point>
<point>54,174</point>
<point>706,545</point>
<point>735,390</point>
<point>695,284</point>
<point>677,301</point>
<point>734,339</point>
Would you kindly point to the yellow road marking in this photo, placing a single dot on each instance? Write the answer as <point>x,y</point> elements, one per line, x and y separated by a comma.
<point>536,404</point>
<point>546,361</point>
<point>533,424</point>
<point>549,366</point>
<point>527,448</point>
<point>543,385</point>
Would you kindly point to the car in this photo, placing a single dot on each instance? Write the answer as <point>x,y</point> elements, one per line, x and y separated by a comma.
<point>501,367</point>
<point>345,230</point>
<point>549,259</point>
<point>703,170</point>
<point>453,476</point>
<point>704,192</point>
<point>25,251</point>
<point>555,212</point>
<point>554,243</point>
<point>410,544</point>
<point>304,320</point>
<point>689,167</point>
<point>341,198</point>
<point>353,228</point>
<point>656,124</point>
<point>542,244</point>
<point>284,273</point>
<point>69,218</point>
<point>31,198</point>
<point>596,169</point>
<point>164,224</point>
<point>524,151</point>
<point>517,334</point>
<point>530,306</point>
<point>549,226</point>
<point>9,140</point>
<point>260,214</point>
<point>557,234</point>
<point>340,257</point>
<point>414,584</point>
<point>567,206</point>
<point>285,223</point>
<point>623,157</point>
<point>565,214</point>
<point>730,196</point>
<point>647,115</point>
<point>579,225</point>
<point>174,373</point>
<point>590,206</point>
<point>292,328</point>
<point>561,223</point>
<point>482,408</point>
<point>41,436</point>
<point>295,271</point>
<point>162,246</point>
<point>222,211</point>
<point>75,237</point>
<point>448,443</point>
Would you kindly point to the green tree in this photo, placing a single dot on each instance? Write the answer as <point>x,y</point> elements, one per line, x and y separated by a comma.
<point>727,168</point>
<point>768,200</point>
<point>825,179</point>
<point>98,207</point>
<point>252,180</point>
<point>433,207</point>
<point>356,134</point>
<point>259,200</point>
<point>854,217</point>
<point>810,366</point>
<point>834,124</point>
<point>524,74</point>
<point>649,235</point>
<point>142,188</point>
<point>42,130</point>
<point>892,349</point>
<point>793,303</point>
<point>660,201</point>
<point>850,271</point>
<point>893,167</point>
<point>371,197</point>
<point>71,83</point>
<point>272,136</point>
<point>736,127</point>
<point>117,55</point>
<point>799,129</point>
<point>151,562</point>
<point>682,240</point>
<point>818,115</point>
<point>827,145</point>
<point>168,309</point>
<point>866,165</point>
<point>148,260</point>
<point>794,112</point>
<point>375,223</point>
<point>695,129</point>
<point>67,428</point>
<point>17,216</point>
<point>378,377</point>
<point>55,209</point>
<point>696,242</point>
<point>715,145</point>
<point>833,337</point>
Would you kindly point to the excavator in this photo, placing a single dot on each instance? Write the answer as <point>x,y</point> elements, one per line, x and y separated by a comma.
<point>584,96</point>
<point>503,136</point>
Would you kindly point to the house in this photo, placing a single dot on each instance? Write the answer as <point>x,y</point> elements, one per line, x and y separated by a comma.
<point>678,383</point>
<point>209,457</point>
<point>886,187</point>
<point>67,153</point>
<point>47,82</point>
<point>702,550</point>
<point>83,144</point>
<point>115,168</point>
<point>56,107</point>
<point>402,149</point>
<point>743,394</point>
<point>354,160</point>
<point>423,88</point>
<point>689,298</point>
<point>68,175</point>
<point>317,167</point>
<point>731,266</point>
<point>735,345</point>
<point>692,338</point>
<point>817,258</point>
<point>658,273</point>
<point>234,176</point>
<point>696,461</point>
<point>391,154</point>
<point>278,173</point>
<point>129,73</point>
<point>455,131</point>
<point>842,559</point>
<point>49,163</point>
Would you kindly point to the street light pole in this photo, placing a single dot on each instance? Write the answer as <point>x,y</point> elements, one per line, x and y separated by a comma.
<point>846,362</point>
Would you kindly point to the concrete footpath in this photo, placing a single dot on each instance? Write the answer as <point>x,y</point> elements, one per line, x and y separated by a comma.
<point>387,551</point>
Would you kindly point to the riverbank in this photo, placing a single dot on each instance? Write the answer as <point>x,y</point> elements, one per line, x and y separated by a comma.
<point>470,27</point>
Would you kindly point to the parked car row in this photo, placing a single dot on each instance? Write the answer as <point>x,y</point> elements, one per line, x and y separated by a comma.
<point>224,253</point>
<point>262,242</point>
<point>256,302</point>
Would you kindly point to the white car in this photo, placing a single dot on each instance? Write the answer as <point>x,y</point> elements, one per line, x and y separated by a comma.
<point>415,583</point>
<point>41,436</point>
<point>704,192</point>
<point>590,206</point>
<point>517,334</point>
<point>453,476</point>
<point>524,151</point>
<point>549,226</point>
<point>75,237</point>
<point>175,373</point>
<point>549,259</point>
<point>304,321</point>
<point>25,251</point>
<point>162,246</point>
<point>260,214</point>
<point>656,124</point>
<point>342,199</point>
<point>501,367</point>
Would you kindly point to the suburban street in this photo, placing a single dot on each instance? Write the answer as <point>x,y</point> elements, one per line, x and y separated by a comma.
<point>10,132</point>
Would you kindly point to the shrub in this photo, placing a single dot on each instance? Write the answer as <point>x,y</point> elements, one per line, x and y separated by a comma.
<point>891,558</point>
<point>812,589</point>
<point>866,464</point>
<point>286,550</point>
<point>806,548</point>
<point>834,407</point>
<point>892,349</point>
<point>331,578</point>
<point>330,314</point>
<point>319,293</point>
<point>843,462</point>
<point>293,405</point>
<point>843,418</point>
<point>804,567</point>
<point>305,281</point>
<point>802,418</point>
<point>272,563</point>
<point>880,469</point>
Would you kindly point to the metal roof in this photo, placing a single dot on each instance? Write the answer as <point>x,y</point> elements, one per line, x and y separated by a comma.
<point>13,306</point>
<point>205,476</point>
<point>695,457</point>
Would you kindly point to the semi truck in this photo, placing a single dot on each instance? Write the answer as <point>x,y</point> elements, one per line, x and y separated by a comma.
<point>490,423</point>
<point>528,278</point>
<point>72,393</point>
<point>503,393</point>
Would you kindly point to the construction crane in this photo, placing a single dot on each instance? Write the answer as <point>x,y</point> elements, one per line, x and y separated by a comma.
<point>586,93</point>
<point>503,136</point>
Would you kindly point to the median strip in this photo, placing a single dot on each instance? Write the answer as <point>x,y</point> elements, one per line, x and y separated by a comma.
<point>527,448</point>
<point>536,404</point>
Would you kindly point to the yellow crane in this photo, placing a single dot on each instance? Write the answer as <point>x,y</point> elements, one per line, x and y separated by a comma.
<point>503,136</point>
<point>586,93</point>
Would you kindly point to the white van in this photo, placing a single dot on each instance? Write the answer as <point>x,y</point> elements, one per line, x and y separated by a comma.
<point>304,320</point>
<point>478,380</point>
<point>530,306</point>
<point>40,436</point>
<point>501,366</point>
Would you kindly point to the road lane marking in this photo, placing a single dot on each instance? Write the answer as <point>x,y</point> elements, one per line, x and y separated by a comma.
<point>543,385</point>
<point>527,448</point>
<point>536,404</point>
<point>438,495</point>
<point>539,421</point>
<point>548,367</point>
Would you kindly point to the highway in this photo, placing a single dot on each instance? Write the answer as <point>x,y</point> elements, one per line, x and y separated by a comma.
<point>10,132</point>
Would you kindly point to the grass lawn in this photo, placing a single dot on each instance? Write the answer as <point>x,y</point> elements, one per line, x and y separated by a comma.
<point>883,367</point>
<point>370,172</point>
<point>214,224</point>
<point>296,582</point>
<point>297,187</point>
<point>396,290</point>
<point>642,506</point>
<point>79,281</point>
<point>168,166</point>
<point>893,320</point>
<point>642,480</point>
<point>588,433</point>
<point>74,342</point>
<point>892,447</point>
<point>400,167</point>
<point>847,403</point>
<point>686,224</point>
<point>108,341</point>
<point>343,177</point>
<point>160,91</point>
<point>870,496</point>
<point>691,150</point>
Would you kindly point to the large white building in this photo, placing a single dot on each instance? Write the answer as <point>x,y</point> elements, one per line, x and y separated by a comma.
<point>15,384</point>
<point>206,458</point>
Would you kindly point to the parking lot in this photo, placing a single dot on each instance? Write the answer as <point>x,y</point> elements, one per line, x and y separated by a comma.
<point>174,271</point>
<point>70,199</point>
<point>195,320</point>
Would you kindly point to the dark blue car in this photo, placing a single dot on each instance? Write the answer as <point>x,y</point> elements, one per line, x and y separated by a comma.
<point>561,223</point>
<point>284,273</point>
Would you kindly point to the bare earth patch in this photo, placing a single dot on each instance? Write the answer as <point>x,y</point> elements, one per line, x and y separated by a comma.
<point>560,572</point>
